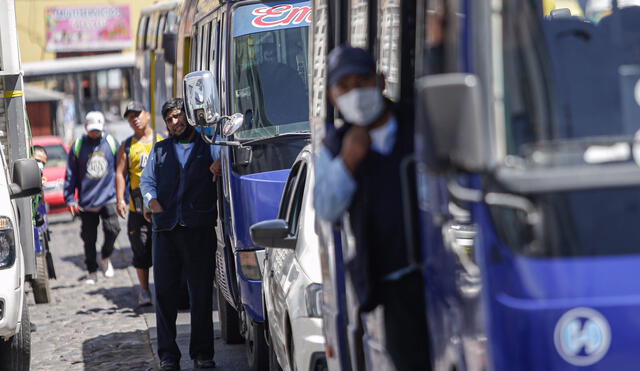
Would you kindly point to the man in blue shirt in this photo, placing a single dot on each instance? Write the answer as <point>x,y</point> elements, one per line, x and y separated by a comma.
<point>179,190</point>
<point>91,172</point>
<point>358,182</point>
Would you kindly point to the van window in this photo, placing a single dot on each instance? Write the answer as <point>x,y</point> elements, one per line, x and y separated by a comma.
<point>296,203</point>
<point>269,68</point>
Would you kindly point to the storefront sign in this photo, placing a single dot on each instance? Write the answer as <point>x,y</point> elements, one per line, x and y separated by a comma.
<point>88,28</point>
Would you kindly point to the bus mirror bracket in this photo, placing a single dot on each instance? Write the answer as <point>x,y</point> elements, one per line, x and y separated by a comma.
<point>169,45</point>
<point>454,128</point>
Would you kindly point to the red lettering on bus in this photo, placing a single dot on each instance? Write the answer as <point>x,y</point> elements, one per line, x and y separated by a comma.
<point>280,15</point>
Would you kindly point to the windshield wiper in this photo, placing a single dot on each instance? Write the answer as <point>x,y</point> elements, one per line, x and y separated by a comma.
<point>278,138</point>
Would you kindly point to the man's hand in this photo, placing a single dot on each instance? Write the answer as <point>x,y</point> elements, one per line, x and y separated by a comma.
<point>216,169</point>
<point>74,209</point>
<point>147,215</point>
<point>355,146</point>
<point>122,209</point>
<point>155,206</point>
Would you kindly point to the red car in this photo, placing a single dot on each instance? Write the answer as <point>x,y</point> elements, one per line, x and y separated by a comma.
<point>54,171</point>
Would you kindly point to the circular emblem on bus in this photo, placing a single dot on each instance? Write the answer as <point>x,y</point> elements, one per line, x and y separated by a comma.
<point>582,336</point>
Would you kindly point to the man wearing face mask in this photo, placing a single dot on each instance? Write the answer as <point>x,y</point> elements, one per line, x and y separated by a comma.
<point>178,187</point>
<point>358,174</point>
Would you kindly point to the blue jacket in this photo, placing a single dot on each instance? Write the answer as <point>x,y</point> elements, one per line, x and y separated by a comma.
<point>178,176</point>
<point>91,169</point>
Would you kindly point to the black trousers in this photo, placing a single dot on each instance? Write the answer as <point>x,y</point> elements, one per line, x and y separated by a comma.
<point>89,233</point>
<point>139,230</point>
<point>406,323</point>
<point>189,251</point>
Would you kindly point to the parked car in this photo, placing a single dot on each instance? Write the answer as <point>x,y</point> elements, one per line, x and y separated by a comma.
<point>292,279</point>
<point>54,171</point>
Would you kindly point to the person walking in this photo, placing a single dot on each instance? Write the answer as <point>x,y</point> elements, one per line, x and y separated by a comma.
<point>180,192</point>
<point>131,161</point>
<point>91,172</point>
<point>359,174</point>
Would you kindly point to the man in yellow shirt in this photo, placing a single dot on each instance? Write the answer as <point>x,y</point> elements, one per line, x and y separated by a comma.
<point>132,158</point>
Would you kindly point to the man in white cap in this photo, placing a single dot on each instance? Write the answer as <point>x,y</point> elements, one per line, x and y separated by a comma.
<point>91,172</point>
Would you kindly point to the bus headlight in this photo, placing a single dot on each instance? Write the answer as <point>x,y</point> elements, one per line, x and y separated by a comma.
<point>7,243</point>
<point>313,299</point>
<point>249,265</point>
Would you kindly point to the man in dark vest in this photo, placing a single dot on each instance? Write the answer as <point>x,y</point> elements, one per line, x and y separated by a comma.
<point>358,173</point>
<point>178,188</point>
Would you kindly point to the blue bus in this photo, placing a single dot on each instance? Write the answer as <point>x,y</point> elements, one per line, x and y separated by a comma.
<point>527,181</point>
<point>250,86</point>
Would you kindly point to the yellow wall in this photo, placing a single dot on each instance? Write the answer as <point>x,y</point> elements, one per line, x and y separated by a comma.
<point>32,30</point>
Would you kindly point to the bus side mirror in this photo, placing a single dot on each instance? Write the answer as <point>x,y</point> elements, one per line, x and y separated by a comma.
<point>201,98</point>
<point>169,45</point>
<point>26,180</point>
<point>272,233</point>
<point>453,132</point>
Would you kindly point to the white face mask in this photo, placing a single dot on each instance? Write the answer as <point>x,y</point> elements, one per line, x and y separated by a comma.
<point>361,106</point>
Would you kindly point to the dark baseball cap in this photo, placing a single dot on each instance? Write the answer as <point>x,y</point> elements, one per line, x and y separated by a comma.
<point>347,60</point>
<point>133,106</point>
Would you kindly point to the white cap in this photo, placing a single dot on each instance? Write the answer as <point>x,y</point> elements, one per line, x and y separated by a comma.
<point>94,120</point>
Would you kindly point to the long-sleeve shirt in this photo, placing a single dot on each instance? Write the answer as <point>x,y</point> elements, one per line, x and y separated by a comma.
<point>91,173</point>
<point>335,185</point>
<point>148,184</point>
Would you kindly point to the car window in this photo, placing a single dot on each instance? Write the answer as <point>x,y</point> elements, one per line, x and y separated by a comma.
<point>293,216</point>
<point>57,156</point>
<point>288,191</point>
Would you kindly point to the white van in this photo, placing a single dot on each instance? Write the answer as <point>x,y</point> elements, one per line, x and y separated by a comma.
<point>17,257</point>
<point>15,329</point>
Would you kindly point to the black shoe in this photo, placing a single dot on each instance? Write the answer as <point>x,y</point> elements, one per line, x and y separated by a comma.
<point>169,365</point>
<point>204,363</point>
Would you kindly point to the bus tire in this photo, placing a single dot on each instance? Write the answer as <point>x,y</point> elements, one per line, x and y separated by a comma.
<point>229,321</point>
<point>40,285</point>
<point>15,353</point>
<point>256,347</point>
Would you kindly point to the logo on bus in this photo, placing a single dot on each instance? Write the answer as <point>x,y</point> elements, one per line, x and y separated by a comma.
<point>280,15</point>
<point>582,336</point>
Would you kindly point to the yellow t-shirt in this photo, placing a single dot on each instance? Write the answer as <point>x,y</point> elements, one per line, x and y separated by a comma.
<point>138,157</point>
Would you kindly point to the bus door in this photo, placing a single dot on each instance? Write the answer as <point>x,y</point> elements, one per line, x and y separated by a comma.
<point>142,72</point>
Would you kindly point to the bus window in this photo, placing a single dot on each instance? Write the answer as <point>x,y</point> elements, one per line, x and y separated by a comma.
<point>358,24</point>
<point>161,27</point>
<point>142,29</point>
<point>388,50</point>
<point>152,28</point>
<point>213,46</point>
<point>206,41</point>
<point>269,69</point>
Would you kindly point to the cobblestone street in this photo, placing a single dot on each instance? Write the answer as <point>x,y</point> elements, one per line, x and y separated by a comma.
<point>99,327</point>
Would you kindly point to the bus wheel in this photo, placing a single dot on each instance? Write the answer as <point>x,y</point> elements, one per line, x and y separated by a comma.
<point>40,285</point>
<point>229,321</point>
<point>256,347</point>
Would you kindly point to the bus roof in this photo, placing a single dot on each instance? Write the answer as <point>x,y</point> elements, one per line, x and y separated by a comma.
<point>159,7</point>
<point>79,64</point>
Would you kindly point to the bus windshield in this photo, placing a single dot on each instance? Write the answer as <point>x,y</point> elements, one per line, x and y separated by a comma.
<point>269,68</point>
<point>571,73</point>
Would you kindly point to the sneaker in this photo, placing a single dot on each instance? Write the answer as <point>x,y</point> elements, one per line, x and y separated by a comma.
<point>144,298</point>
<point>107,268</point>
<point>91,279</point>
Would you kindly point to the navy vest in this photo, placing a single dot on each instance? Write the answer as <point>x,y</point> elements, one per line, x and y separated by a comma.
<point>187,194</point>
<point>376,214</point>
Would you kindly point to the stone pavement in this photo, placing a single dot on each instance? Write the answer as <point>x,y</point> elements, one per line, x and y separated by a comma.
<point>99,327</point>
